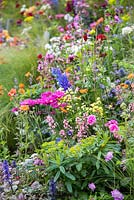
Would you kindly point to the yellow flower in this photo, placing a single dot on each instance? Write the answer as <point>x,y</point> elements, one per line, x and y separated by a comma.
<point>92,32</point>
<point>125,18</point>
<point>28,19</point>
<point>1,90</point>
<point>130,76</point>
<point>111,2</point>
<point>83,91</point>
<point>28,74</point>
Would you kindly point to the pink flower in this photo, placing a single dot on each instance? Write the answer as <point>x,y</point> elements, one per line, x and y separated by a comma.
<point>92,186</point>
<point>91,120</point>
<point>113,128</point>
<point>107,28</point>
<point>62,133</point>
<point>108,156</point>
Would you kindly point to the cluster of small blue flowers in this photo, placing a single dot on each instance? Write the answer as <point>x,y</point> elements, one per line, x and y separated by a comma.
<point>61,78</point>
<point>6,172</point>
<point>52,189</point>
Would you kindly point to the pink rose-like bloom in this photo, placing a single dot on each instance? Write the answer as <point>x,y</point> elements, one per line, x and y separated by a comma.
<point>92,186</point>
<point>108,156</point>
<point>117,195</point>
<point>91,120</point>
<point>113,128</point>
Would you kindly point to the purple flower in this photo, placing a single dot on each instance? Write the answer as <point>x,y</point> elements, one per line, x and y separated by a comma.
<point>92,186</point>
<point>7,175</point>
<point>108,156</point>
<point>91,120</point>
<point>117,195</point>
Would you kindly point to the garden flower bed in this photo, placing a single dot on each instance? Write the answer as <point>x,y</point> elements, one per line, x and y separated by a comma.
<point>69,129</point>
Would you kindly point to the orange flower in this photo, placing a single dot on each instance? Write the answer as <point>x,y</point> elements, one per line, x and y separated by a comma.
<point>21,91</point>
<point>130,76</point>
<point>68,69</point>
<point>63,109</point>
<point>28,74</point>
<point>39,78</point>
<point>12,92</point>
<point>24,108</point>
<point>100,20</point>
<point>83,91</point>
<point>123,85</point>
<point>21,85</point>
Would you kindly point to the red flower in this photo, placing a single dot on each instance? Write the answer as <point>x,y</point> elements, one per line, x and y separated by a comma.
<point>37,3</point>
<point>101,37</point>
<point>69,6</point>
<point>17,5</point>
<point>30,14</point>
<point>39,56</point>
<point>85,37</point>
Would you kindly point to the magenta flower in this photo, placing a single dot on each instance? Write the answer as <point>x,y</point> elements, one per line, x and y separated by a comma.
<point>92,186</point>
<point>111,122</point>
<point>117,195</point>
<point>108,156</point>
<point>113,128</point>
<point>91,120</point>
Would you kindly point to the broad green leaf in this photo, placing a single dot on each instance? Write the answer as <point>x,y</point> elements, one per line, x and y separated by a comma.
<point>57,176</point>
<point>62,169</point>
<point>70,176</point>
<point>69,187</point>
<point>79,167</point>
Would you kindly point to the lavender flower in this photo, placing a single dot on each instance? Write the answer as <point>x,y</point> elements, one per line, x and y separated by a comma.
<point>117,195</point>
<point>92,186</point>
<point>108,156</point>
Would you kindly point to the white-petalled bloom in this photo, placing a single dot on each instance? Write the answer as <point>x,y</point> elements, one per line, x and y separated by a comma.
<point>127,30</point>
<point>25,30</point>
<point>45,7</point>
<point>68,17</point>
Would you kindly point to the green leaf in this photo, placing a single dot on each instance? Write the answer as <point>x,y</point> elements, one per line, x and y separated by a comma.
<point>79,167</point>
<point>70,176</point>
<point>69,187</point>
<point>62,169</point>
<point>57,176</point>
<point>98,160</point>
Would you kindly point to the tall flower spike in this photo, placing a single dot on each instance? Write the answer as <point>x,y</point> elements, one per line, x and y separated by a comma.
<point>7,175</point>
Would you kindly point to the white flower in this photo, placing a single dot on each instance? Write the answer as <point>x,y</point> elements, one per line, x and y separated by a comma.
<point>25,30</point>
<point>68,17</point>
<point>127,30</point>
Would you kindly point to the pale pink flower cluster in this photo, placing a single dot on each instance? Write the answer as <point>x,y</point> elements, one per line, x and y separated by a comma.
<point>51,123</point>
<point>82,126</point>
